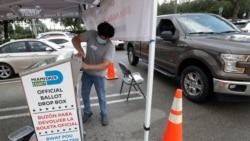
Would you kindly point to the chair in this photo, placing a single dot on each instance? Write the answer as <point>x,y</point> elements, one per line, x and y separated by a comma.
<point>131,79</point>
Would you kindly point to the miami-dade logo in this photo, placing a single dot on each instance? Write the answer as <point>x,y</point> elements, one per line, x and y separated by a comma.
<point>51,78</point>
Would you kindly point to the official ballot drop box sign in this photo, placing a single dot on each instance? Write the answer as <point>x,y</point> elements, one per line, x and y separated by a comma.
<point>51,98</point>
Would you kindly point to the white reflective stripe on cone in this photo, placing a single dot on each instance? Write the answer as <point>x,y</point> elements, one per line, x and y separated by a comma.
<point>177,119</point>
<point>177,104</point>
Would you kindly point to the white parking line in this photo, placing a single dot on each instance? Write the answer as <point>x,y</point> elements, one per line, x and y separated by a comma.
<point>11,81</point>
<point>13,108</point>
<point>92,105</point>
<point>14,116</point>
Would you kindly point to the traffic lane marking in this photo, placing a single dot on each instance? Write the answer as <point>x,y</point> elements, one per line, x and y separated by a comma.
<point>92,105</point>
<point>7,81</point>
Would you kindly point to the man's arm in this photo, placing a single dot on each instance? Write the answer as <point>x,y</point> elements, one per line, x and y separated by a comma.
<point>76,41</point>
<point>101,66</point>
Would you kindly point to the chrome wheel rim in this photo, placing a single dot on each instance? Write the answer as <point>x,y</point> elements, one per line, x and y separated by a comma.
<point>5,71</point>
<point>193,84</point>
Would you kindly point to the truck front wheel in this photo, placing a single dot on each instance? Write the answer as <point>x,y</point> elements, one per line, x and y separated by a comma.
<point>195,84</point>
<point>133,60</point>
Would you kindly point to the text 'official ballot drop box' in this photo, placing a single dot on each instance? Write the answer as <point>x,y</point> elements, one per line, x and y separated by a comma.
<point>51,91</point>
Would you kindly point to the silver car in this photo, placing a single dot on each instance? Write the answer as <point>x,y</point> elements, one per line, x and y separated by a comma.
<point>17,55</point>
<point>244,25</point>
<point>65,42</point>
<point>55,33</point>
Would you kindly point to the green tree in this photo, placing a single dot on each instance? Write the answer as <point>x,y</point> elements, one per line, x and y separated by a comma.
<point>236,6</point>
<point>242,6</point>
<point>231,8</point>
<point>165,8</point>
<point>73,23</point>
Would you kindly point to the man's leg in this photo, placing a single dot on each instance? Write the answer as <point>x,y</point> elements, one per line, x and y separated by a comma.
<point>99,83</point>
<point>86,88</point>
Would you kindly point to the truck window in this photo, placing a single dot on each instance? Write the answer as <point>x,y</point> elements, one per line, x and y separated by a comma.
<point>165,25</point>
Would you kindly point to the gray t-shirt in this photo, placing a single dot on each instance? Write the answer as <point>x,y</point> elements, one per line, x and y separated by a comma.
<point>96,53</point>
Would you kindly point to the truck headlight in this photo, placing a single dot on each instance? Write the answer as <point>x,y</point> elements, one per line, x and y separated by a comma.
<point>230,62</point>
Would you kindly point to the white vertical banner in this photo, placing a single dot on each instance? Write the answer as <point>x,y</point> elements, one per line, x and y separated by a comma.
<point>132,19</point>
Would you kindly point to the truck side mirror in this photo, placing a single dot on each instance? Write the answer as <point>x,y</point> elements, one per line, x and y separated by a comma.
<point>168,36</point>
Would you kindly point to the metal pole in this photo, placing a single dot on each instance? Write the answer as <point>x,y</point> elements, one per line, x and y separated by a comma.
<point>150,71</point>
<point>34,28</point>
<point>175,6</point>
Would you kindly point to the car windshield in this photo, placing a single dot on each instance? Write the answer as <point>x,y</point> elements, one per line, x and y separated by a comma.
<point>205,24</point>
<point>54,45</point>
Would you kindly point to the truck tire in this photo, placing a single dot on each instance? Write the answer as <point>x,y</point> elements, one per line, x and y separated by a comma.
<point>195,84</point>
<point>133,60</point>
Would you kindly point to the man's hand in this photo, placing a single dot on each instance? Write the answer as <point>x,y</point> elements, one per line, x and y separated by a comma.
<point>101,66</point>
<point>84,65</point>
<point>80,54</point>
<point>76,41</point>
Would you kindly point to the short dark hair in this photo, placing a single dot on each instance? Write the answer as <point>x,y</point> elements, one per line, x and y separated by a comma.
<point>105,29</point>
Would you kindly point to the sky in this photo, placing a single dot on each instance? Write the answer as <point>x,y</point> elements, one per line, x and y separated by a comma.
<point>160,1</point>
<point>51,25</point>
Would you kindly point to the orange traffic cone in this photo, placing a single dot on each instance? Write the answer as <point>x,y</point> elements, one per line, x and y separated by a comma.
<point>111,72</point>
<point>173,131</point>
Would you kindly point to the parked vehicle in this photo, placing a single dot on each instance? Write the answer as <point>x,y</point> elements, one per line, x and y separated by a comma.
<point>55,33</point>
<point>17,55</point>
<point>207,53</point>
<point>118,44</point>
<point>65,42</point>
<point>244,25</point>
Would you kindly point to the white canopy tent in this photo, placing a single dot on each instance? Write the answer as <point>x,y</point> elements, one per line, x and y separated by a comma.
<point>34,9</point>
<point>132,19</point>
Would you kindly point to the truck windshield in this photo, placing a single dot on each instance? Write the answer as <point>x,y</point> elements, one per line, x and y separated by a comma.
<point>201,23</point>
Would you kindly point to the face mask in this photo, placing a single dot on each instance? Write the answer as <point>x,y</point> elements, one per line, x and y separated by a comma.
<point>100,41</point>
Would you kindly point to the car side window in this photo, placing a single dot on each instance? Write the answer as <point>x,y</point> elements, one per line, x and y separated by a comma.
<point>14,48</point>
<point>37,46</point>
<point>5,49</point>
